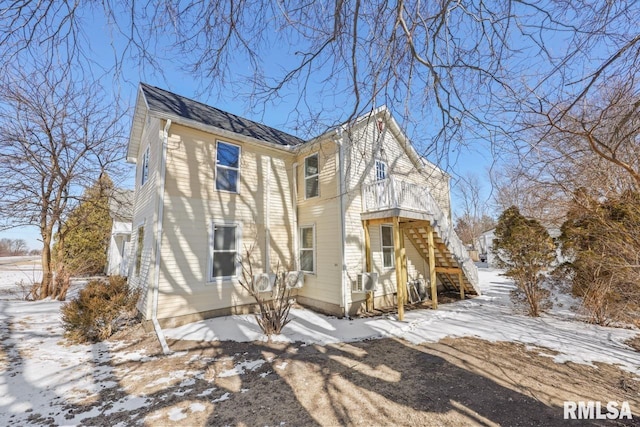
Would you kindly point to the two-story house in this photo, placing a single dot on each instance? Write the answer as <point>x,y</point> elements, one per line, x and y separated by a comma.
<point>356,199</point>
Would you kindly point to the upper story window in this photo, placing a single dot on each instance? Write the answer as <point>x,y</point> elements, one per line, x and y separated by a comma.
<point>144,175</point>
<point>311,176</point>
<point>227,167</point>
<point>381,170</point>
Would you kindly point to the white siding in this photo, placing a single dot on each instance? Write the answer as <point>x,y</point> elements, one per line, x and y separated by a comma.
<point>364,144</point>
<point>191,206</point>
<point>324,213</point>
<point>267,206</point>
<point>145,206</point>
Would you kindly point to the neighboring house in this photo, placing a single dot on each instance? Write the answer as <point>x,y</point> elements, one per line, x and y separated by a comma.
<point>485,247</point>
<point>121,212</point>
<point>210,185</point>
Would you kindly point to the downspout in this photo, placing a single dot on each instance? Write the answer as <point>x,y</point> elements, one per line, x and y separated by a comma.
<point>345,290</point>
<point>294,201</point>
<point>154,306</point>
<point>267,231</point>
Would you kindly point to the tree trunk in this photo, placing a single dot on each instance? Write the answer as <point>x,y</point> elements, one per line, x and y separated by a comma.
<point>61,280</point>
<point>47,272</point>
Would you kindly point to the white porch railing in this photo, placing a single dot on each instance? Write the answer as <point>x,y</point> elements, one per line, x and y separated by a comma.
<point>392,193</point>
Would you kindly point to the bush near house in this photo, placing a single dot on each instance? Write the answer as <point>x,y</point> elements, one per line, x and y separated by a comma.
<point>272,308</point>
<point>602,240</point>
<point>525,250</point>
<point>100,310</point>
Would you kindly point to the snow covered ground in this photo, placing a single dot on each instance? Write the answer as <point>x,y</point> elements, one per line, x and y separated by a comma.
<point>39,373</point>
<point>18,272</point>
<point>488,317</point>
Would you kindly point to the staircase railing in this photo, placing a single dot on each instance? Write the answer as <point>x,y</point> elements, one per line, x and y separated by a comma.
<point>392,193</point>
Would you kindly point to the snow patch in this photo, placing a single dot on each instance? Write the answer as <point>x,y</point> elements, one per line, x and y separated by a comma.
<point>176,414</point>
<point>222,398</point>
<point>241,368</point>
<point>197,407</point>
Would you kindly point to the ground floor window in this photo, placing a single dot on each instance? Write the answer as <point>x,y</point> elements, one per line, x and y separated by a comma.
<point>387,246</point>
<point>139,243</point>
<point>307,249</point>
<point>224,258</point>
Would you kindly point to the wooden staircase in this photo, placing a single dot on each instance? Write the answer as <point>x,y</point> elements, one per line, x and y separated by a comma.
<point>448,268</point>
<point>417,213</point>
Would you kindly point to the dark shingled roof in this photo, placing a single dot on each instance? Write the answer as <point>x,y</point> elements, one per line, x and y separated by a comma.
<point>169,103</point>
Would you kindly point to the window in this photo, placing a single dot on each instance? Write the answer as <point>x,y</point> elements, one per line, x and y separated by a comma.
<point>311,176</point>
<point>144,176</point>
<point>387,246</point>
<point>227,167</point>
<point>224,251</point>
<point>307,249</point>
<point>140,240</point>
<point>381,170</point>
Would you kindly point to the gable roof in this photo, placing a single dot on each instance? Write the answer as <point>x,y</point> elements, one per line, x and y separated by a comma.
<point>168,105</point>
<point>121,204</point>
<point>162,101</point>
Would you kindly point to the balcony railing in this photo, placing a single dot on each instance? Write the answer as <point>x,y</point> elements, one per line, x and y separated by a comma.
<point>392,193</point>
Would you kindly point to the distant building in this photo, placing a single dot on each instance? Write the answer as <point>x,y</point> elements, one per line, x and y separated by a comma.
<point>121,212</point>
<point>485,246</point>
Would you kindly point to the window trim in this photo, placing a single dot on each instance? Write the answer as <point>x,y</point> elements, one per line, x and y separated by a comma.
<point>144,172</point>
<point>316,176</point>
<point>313,248</point>
<point>238,266</point>
<point>383,247</point>
<point>215,178</point>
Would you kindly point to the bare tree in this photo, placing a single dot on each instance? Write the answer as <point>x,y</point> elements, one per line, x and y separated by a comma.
<point>517,185</point>
<point>474,218</point>
<point>473,68</point>
<point>19,247</point>
<point>56,135</point>
<point>595,146</point>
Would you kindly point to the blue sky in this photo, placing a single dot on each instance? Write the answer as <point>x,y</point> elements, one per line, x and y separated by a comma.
<point>474,157</point>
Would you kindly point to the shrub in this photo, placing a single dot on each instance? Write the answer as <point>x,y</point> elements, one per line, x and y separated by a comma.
<point>524,248</point>
<point>272,311</point>
<point>601,238</point>
<point>100,309</point>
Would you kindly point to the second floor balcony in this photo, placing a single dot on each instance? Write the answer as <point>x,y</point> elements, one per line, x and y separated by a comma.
<point>394,193</point>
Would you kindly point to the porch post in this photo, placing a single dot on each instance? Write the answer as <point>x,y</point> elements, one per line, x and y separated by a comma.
<point>461,280</point>
<point>401,286</point>
<point>367,257</point>
<point>432,268</point>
